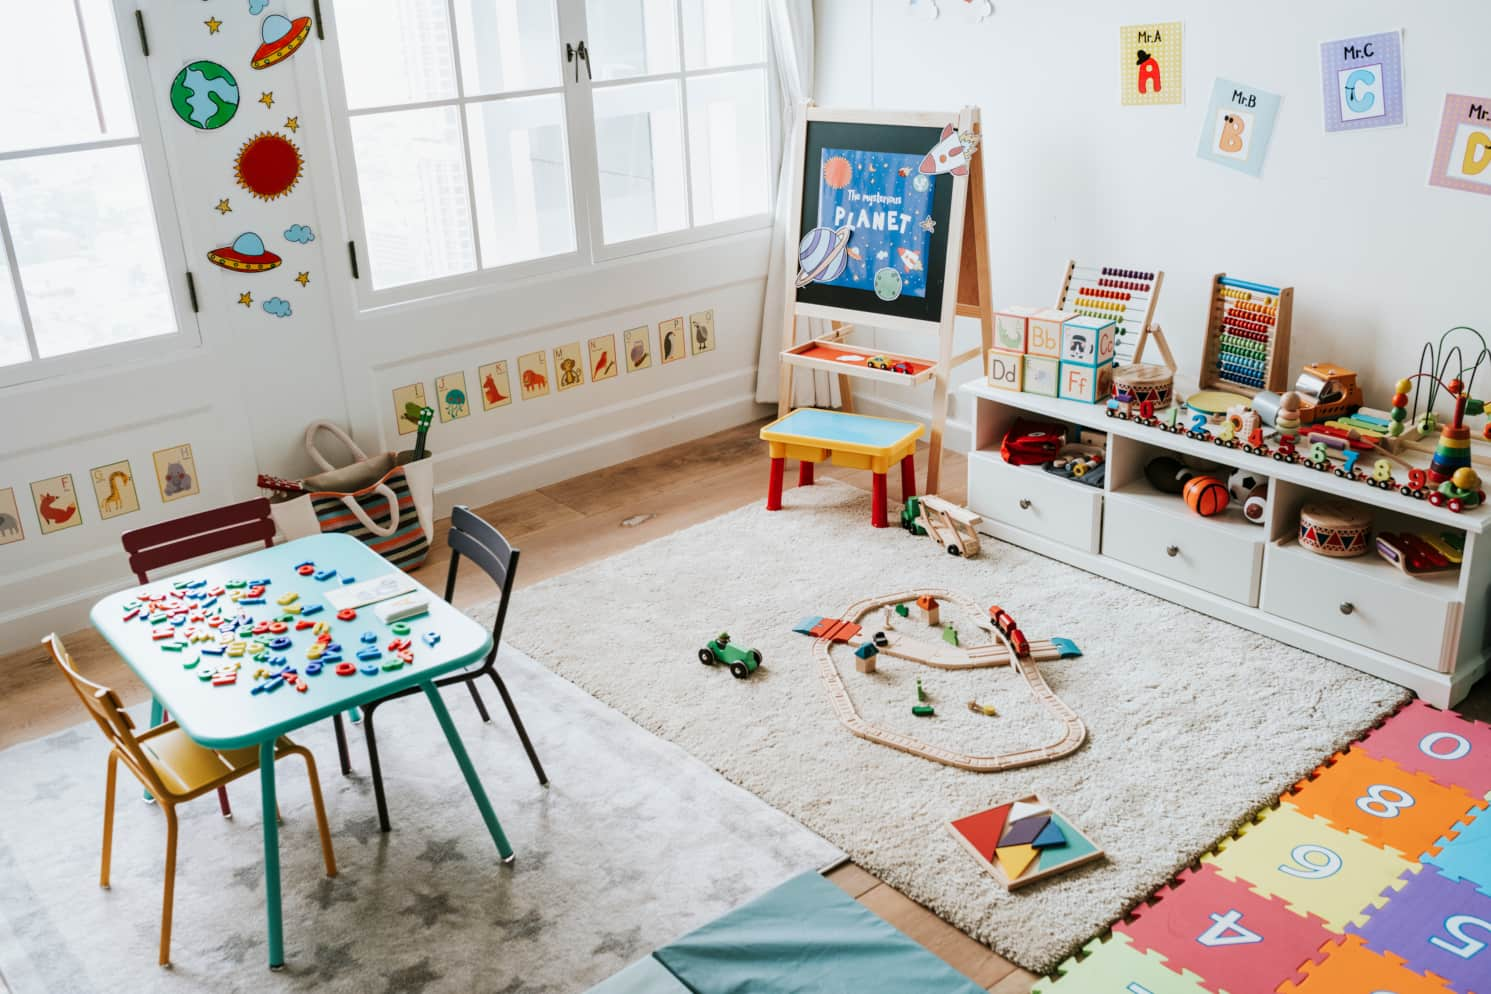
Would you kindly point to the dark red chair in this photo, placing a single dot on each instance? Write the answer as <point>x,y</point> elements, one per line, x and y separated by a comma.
<point>195,535</point>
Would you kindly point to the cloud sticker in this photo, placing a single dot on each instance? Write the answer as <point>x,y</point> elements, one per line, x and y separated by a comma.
<point>299,233</point>
<point>278,306</point>
<point>256,7</point>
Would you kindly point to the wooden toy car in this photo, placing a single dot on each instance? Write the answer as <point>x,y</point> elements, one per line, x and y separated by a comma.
<point>742,662</point>
<point>951,526</point>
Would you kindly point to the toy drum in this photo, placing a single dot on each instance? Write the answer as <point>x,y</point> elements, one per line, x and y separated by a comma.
<point>1138,382</point>
<point>1333,529</point>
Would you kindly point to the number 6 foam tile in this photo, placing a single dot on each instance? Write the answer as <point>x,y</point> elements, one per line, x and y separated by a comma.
<point>1465,852</point>
<point>1314,868</point>
<point>1233,939</point>
<point>1439,926</point>
<point>1351,968</point>
<point>1454,751</point>
<point>1387,804</point>
<point>1115,965</point>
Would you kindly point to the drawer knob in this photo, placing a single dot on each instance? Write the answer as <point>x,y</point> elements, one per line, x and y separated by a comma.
<point>1024,504</point>
<point>1347,607</point>
<point>1172,551</point>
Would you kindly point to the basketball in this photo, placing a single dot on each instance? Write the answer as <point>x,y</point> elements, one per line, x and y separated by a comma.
<point>1206,495</point>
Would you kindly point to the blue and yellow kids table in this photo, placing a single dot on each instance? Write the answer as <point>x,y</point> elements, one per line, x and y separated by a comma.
<point>247,711</point>
<point>810,435</point>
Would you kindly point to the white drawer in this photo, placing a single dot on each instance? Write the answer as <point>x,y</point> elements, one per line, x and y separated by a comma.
<point>1028,498</point>
<point>1157,533</point>
<point>1385,612</point>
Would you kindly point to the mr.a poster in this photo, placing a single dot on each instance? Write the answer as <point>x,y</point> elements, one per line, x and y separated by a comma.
<point>887,206</point>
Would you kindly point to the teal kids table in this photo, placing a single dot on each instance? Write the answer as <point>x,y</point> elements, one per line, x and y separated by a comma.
<point>184,635</point>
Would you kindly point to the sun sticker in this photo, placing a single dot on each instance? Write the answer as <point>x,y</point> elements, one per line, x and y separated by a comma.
<point>837,172</point>
<point>268,166</point>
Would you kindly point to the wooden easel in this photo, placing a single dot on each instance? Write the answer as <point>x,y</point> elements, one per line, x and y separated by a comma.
<point>966,281</point>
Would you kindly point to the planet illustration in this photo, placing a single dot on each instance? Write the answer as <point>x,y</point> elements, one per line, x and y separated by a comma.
<point>887,284</point>
<point>247,254</point>
<point>268,165</point>
<point>821,255</point>
<point>282,39</point>
<point>204,95</point>
<point>837,172</point>
<point>919,183</point>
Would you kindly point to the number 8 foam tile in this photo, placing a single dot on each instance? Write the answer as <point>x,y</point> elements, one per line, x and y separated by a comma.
<point>1351,968</point>
<point>1452,750</point>
<point>1440,927</point>
<point>1232,938</point>
<point>1387,804</point>
<point>1314,868</point>
<point>1465,852</point>
<point>1115,965</point>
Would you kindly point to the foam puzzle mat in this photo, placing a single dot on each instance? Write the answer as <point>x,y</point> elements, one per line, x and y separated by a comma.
<point>1372,876</point>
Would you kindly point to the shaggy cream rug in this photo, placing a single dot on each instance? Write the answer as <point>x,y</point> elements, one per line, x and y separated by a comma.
<point>1193,724</point>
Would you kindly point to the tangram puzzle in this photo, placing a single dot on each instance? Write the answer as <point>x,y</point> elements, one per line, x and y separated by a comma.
<point>1023,841</point>
<point>1371,876</point>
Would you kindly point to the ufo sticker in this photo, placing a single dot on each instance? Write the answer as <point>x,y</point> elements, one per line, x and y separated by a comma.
<point>247,254</point>
<point>821,255</point>
<point>282,39</point>
<point>204,95</point>
<point>268,165</point>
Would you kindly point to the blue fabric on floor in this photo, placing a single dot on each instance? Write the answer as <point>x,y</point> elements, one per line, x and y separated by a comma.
<point>646,976</point>
<point>807,937</point>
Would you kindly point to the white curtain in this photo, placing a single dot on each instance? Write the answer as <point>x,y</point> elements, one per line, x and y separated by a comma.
<point>792,44</point>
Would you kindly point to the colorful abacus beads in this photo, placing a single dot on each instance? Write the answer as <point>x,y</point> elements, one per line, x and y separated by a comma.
<point>1399,412</point>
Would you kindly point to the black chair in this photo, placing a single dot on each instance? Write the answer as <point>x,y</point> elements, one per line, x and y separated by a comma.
<point>484,545</point>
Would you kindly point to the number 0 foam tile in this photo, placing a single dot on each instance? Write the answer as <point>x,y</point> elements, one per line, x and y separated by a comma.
<point>1284,854</point>
<point>1350,967</point>
<point>1387,804</point>
<point>1465,852</point>
<point>1115,965</point>
<point>1453,750</point>
<point>1439,926</point>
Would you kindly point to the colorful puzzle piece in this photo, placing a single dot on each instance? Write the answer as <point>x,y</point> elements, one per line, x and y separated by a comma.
<point>1465,852</point>
<point>1439,926</point>
<point>1350,967</point>
<point>1076,847</point>
<point>1051,835</point>
<point>1014,860</point>
<point>1440,744</point>
<point>1024,832</point>
<point>1120,969</point>
<point>983,830</point>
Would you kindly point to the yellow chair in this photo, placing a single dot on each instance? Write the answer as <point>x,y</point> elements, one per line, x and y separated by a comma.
<point>174,769</point>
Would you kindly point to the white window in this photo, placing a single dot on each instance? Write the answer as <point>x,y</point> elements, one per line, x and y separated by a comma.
<point>83,264</point>
<point>533,135</point>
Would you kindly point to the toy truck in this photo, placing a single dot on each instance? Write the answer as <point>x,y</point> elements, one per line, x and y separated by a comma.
<point>742,662</point>
<point>950,526</point>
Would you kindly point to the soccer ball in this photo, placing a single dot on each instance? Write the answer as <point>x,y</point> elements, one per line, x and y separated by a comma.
<point>1243,482</point>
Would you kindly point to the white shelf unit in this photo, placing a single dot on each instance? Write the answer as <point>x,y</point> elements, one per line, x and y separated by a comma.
<point>1424,633</point>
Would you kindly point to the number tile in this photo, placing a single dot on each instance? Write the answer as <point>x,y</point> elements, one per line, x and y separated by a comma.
<point>1454,751</point>
<point>1465,852</point>
<point>1439,926</point>
<point>1120,968</point>
<point>1351,968</point>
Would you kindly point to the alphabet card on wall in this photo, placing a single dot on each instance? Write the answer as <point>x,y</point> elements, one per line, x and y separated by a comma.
<point>603,363</point>
<point>56,503</point>
<point>1149,64</point>
<point>1463,153</point>
<point>176,472</point>
<point>701,331</point>
<point>114,486</point>
<point>638,349</point>
<point>10,518</point>
<point>403,396</point>
<point>670,335</point>
<point>567,366</point>
<point>533,375</point>
<point>1238,124</point>
<point>1362,82</point>
<point>450,391</point>
<point>496,388</point>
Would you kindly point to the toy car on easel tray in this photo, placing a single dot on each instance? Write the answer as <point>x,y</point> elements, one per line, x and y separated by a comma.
<point>742,662</point>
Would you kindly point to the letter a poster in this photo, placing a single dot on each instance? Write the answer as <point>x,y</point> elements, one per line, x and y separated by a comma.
<point>1462,158</point>
<point>1149,64</point>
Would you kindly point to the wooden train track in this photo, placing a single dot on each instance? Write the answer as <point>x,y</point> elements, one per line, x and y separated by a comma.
<point>950,657</point>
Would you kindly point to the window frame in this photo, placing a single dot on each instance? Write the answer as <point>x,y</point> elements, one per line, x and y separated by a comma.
<point>590,249</point>
<point>150,140</point>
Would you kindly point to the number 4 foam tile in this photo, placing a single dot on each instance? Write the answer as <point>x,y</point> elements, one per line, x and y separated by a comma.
<point>1453,750</point>
<point>1115,965</point>
<point>1351,968</point>
<point>1439,926</point>
<point>1313,867</point>
<point>1465,852</point>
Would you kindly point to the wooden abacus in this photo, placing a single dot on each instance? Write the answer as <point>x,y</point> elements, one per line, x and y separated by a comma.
<point>1127,296</point>
<point>1247,337</point>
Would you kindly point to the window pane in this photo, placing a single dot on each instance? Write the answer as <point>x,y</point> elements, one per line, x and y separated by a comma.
<point>631,37</point>
<point>89,253</point>
<point>12,334</point>
<point>412,178</point>
<point>48,97</point>
<point>395,51</point>
<point>723,33</point>
<point>508,45</point>
<point>520,163</point>
<point>639,149</point>
<point>729,154</point>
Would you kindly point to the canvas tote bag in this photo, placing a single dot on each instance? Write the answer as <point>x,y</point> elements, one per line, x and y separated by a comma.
<point>384,501</point>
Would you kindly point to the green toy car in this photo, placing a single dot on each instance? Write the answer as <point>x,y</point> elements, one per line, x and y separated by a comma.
<point>742,662</point>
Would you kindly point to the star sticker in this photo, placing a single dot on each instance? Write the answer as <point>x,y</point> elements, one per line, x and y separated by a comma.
<point>267,98</point>
<point>293,123</point>
<point>246,299</point>
<point>303,279</point>
<point>223,207</point>
<point>212,25</point>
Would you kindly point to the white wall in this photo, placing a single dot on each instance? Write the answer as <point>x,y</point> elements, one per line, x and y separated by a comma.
<point>1381,262</point>
<point>245,396</point>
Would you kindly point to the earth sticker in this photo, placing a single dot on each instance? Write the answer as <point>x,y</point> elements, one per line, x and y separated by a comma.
<point>204,95</point>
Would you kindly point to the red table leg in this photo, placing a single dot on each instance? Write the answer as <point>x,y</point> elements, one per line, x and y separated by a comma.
<point>804,474</point>
<point>908,478</point>
<point>877,505</point>
<point>774,488</point>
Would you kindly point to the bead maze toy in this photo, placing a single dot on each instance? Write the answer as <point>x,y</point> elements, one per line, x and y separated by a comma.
<point>1247,336</point>
<point>1122,295</point>
<point>893,640</point>
<point>1023,841</point>
<point>1373,874</point>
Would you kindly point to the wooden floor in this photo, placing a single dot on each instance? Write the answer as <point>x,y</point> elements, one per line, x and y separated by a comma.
<point>558,528</point>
